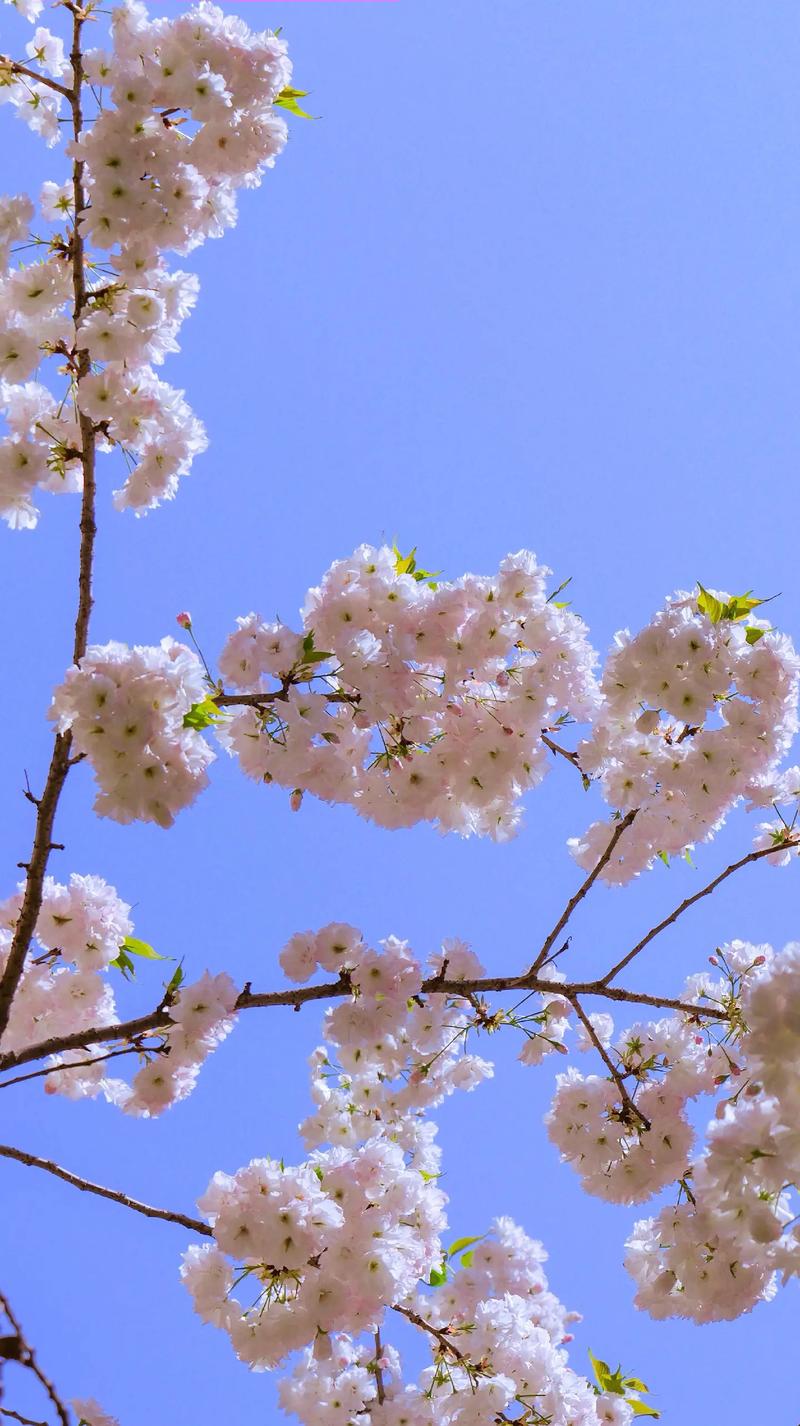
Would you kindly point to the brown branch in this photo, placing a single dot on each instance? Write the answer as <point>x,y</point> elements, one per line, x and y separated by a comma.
<point>36,867</point>
<point>337,989</point>
<point>621,827</point>
<point>690,901</point>
<point>570,756</point>
<point>78,1064</point>
<point>632,1110</point>
<point>45,79</point>
<point>27,1358</point>
<point>378,1369</point>
<point>15,1416</point>
<point>438,1332</point>
<point>86,1186</point>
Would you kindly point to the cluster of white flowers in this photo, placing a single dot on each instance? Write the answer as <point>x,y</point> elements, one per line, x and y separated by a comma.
<point>496,1334</point>
<point>720,1250</point>
<point>430,701</point>
<point>81,930</point>
<point>322,1250</point>
<point>697,713</point>
<point>186,117</point>
<point>126,710</point>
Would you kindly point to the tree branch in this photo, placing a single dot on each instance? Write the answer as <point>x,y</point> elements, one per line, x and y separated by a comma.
<point>621,827</point>
<point>633,1111</point>
<point>438,1332</point>
<point>36,867</point>
<point>86,1186</point>
<point>27,1358</point>
<point>690,901</point>
<point>336,990</point>
<point>45,79</point>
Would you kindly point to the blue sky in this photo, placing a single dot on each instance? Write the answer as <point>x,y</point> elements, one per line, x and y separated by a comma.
<point>531,280</point>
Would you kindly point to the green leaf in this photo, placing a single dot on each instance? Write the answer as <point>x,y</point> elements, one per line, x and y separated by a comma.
<point>551,597</point>
<point>174,983</point>
<point>141,948</point>
<point>664,857</point>
<point>407,564</point>
<point>462,1243</point>
<point>287,99</point>
<point>752,634</point>
<point>124,963</point>
<point>633,1383</point>
<point>438,1276</point>
<point>741,605</point>
<point>601,1370</point>
<point>202,715</point>
<point>466,1259</point>
<point>640,1408</point>
<point>311,655</point>
<point>710,605</point>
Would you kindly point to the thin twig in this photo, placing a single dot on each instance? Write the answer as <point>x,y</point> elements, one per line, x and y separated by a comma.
<point>86,1186</point>
<point>44,79</point>
<point>15,1416</point>
<point>378,1369</point>
<point>608,1062</point>
<point>27,1358</point>
<point>621,827</point>
<point>78,1064</point>
<point>690,901</point>
<point>437,1332</point>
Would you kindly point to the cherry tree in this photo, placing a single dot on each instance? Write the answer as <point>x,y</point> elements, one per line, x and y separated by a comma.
<point>411,699</point>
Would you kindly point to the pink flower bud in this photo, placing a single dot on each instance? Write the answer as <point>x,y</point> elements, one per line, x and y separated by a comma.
<point>184,619</point>
<point>502,679</point>
<point>760,961</point>
<point>509,732</point>
<point>712,961</point>
<point>720,1079</point>
<point>455,710</point>
<point>698,1039</point>
<point>296,799</point>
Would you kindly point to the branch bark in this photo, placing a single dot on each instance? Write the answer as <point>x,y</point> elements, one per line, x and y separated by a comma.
<point>86,1186</point>
<point>690,901</point>
<point>46,805</point>
<point>27,1358</point>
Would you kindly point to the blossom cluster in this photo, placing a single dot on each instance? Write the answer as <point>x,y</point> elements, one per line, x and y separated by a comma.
<point>322,1250</point>
<point>186,116</point>
<point>722,1248</point>
<point>126,710</point>
<point>697,713</point>
<point>411,700</point>
<point>80,932</point>
<point>496,1334</point>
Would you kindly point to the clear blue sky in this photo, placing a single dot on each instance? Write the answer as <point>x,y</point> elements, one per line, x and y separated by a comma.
<point>531,280</point>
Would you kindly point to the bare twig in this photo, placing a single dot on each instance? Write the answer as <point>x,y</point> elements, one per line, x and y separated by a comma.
<point>691,900</point>
<point>15,1416</point>
<point>379,1384</point>
<point>632,1110</point>
<point>437,1332</point>
<point>45,79</point>
<point>26,1357</point>
<point>621,827</point>
<point>79,1064</point>
<point>86,1186</point>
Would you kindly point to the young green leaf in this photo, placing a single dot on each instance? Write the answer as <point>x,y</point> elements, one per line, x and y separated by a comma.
<point>287,99</point>
<point>640,1408</point>
<point>462,1243</point>
<point>123,963</point>
<point>438,1276</point>
<point>141,948</point>
<point>202,715</point>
